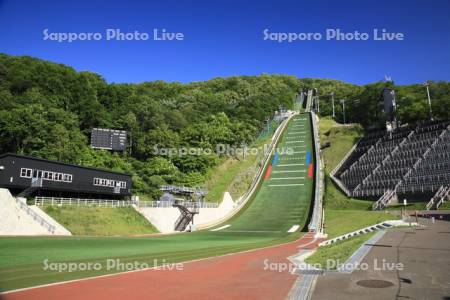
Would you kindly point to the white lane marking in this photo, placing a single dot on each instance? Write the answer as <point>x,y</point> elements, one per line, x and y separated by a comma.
<point>220,228</point>
<point>294,152</point>
<point>294,142</point>
<point>289,171</point>
<point>295,132</point>
<point>294,228</point>
<point>292,158</point>
<point>290,184</point>
<point>286,178</point>
<point>289,165</point>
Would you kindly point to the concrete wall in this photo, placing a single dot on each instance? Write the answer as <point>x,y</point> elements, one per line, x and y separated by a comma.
<point>164,218</point>
<point>14,220</point>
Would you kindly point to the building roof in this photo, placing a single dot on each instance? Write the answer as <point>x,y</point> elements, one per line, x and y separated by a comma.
<point>60,163</point>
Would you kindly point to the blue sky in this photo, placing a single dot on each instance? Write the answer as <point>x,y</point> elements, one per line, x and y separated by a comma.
<point>225,38</point>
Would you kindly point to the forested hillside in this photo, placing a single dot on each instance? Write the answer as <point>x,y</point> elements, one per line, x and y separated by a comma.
<point>48,110</point>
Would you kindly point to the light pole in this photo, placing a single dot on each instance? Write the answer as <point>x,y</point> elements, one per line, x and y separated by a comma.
<point>426,84</point>
<point>332,101</point>
<point>343,108</point>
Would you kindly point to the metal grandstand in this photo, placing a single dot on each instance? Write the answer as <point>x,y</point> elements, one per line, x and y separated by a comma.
<point>408,160</point>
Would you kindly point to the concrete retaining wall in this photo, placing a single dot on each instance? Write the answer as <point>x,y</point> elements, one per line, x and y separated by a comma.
<point>16,221</point>
<point>164,218</point>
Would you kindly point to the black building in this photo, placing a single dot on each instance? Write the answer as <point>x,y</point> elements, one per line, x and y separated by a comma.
<point>35,176</point>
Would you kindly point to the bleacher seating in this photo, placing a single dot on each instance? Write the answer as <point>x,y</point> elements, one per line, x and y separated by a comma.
<point>412,159</point>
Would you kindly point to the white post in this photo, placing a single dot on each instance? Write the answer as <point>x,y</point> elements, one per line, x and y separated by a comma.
<point>429,101</point>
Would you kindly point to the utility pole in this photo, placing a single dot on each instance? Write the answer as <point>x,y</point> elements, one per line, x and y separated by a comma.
<point>429,99</point>
<point>332,101</point>
<point>343,108</point>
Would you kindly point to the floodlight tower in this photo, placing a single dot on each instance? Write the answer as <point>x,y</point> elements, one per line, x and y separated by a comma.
<point>426,84</point>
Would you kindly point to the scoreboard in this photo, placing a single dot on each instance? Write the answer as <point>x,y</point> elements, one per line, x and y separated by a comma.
<point>109,139</point>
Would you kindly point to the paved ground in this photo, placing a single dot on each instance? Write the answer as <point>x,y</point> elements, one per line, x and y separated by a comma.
<point>425,254</point>
<point>237,276</point>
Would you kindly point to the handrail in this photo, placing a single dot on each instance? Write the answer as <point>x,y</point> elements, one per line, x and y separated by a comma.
<point>23,206</point>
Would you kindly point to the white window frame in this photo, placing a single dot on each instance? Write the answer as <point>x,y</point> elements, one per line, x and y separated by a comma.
<point>26,173</point>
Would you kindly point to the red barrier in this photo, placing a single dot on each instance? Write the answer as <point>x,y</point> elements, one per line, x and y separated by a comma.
<point>269,169</point>
<point>310,170</point>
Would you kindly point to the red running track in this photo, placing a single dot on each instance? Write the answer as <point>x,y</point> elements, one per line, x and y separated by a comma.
<point>236,276</point>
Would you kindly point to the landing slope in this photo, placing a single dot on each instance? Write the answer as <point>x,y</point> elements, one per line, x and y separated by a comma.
<point>284,195</point>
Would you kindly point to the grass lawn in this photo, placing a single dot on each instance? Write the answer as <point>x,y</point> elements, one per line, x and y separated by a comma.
<point>445,206</point>
<point>264,221</point>
<point>338,222</point>
<point>331,256</point>
<point>341,139</point>
<point>100,221</point>
<point>235,175</point>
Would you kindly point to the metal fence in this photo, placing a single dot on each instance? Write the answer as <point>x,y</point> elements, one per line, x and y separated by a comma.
<point>80,202</point>
<point>59,201</point>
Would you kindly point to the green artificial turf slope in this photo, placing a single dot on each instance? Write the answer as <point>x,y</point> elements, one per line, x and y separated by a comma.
<point>279,204</point>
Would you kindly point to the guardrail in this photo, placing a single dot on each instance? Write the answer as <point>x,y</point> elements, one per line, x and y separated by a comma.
<point>23,206</point>
<point>316,222</point>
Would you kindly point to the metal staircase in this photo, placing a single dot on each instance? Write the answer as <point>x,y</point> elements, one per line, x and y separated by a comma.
<point>186,216</point>
<point>388,197</point>
<point>440,197</point>
<point>36,184</point>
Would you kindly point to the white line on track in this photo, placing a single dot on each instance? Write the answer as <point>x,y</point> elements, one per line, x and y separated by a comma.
<point>289,184</point>
<point>292,142</point>
<point>289,165</point>
<point>294,228</point>
<point>220,228</point>
<point>294,152</point>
